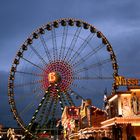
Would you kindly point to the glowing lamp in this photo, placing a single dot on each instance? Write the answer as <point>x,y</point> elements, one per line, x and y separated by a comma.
<point>135,124</point>
<point>53,77</point>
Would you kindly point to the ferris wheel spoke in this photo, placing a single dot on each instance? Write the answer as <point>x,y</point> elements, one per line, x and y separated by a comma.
<point>29,106</point>
<point>45,48</point>
<point>101,63</point>
<point>72,92</point>
<point>28,84</point>
<point>32,63</point>
<point>73,43</point>
<point>94,78</point>
<point>80,87</point>
<point>29,73</point>
<point>69,99</point>
<point>90,54</point>
<point>55,55</point>
<point>81,48</point>
<point>78,54</point>
<point>63,43</point>
<point>38,55</point>
<point>35,91</point>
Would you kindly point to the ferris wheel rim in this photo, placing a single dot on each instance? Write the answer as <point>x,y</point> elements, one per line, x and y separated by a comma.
<point>39,32</point>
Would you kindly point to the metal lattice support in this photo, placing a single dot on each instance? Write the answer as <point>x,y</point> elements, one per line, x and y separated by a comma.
<point>36,112</point>
<point>63,99</point>
<point>43,111</point>
<point>47,114</point>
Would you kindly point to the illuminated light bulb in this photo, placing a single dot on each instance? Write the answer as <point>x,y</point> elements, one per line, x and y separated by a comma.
<point>52,77</point>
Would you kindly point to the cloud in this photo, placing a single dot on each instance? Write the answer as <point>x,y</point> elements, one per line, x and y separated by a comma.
<point>118,20</point>
<point>5,115</point>
<point>23,17</point>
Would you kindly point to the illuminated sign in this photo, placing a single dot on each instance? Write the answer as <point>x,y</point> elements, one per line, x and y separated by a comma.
<point>53,77</point>
<point>135,124</point>
<point>83,112</point>
<point>73,112</point>
<point>122,81</point>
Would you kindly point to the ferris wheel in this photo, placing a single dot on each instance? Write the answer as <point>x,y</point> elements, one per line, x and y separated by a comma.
<point>59,64</point>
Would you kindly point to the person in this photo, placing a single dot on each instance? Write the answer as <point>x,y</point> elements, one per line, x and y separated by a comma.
<point>105,138</point>
<point>125,106</point>
<point>91,138</point>
<point>134,102</point>
<point>132,138</point>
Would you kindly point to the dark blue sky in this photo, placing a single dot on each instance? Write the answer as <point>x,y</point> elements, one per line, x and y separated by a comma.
<point>118,20</point>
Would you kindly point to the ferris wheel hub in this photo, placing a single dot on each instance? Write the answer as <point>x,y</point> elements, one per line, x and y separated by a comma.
<point>58,72</point>
<point>54,77</point>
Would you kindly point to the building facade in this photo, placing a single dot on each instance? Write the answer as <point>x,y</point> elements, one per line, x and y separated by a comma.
<point>120,121</point>
<point>84,122</point>
<point>123,110</point>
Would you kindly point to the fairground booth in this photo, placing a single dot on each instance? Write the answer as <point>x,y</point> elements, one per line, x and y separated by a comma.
<point>84,122</point>
<point>123,108</point>
<point>119,121</point>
